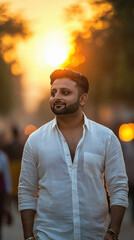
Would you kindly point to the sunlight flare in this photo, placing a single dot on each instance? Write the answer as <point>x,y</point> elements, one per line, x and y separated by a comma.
<point>53,49</point>
<point>55,54</point>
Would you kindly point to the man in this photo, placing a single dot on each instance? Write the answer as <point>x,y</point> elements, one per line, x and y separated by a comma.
<point>65,160</point>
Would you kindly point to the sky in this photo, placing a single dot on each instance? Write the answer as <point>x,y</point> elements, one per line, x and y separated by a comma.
<point>47,48</point>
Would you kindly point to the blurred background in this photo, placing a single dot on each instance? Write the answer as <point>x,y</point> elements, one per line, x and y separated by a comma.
<point>94,37</point>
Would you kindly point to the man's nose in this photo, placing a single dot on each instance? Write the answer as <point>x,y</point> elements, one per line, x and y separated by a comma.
<point>57,95</point>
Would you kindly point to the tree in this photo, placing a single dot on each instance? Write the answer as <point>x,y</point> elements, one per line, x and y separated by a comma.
<point>12,27</point>
<point>108,51</point>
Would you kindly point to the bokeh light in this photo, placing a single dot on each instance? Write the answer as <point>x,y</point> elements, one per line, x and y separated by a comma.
<point>126,132</point>
<point>29,129</point>
<point>16,69</point>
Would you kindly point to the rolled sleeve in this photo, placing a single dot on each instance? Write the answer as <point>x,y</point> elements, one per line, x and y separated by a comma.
<point>28,182</point>
<point>115,173</point>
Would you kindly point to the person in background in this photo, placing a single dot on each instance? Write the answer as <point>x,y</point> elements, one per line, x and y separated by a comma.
<point>65,163</point>
<point>128,151</point>
<point>5,189</point>
<point>14,150</point>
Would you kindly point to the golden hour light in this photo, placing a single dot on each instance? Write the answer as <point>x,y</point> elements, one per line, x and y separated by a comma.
<point>9,56</point>
<point>8,52</point>
<point>29,129</point>
<point>16,69</point>
<point>6,40</point>
<point>55,54</point>
<point>106,8</point>
<point>53,49</point>
<point>126,132</point>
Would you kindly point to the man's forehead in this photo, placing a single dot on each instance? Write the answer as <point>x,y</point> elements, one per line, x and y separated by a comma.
<point>63,82</point>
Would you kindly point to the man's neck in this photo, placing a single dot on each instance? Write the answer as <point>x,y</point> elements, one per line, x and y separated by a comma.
<point>70,121</point>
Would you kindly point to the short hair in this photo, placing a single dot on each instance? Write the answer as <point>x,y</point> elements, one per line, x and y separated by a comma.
<point>80,79</point>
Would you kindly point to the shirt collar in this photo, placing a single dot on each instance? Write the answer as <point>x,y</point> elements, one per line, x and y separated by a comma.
<point>54,123</point>
<point>86,124</point>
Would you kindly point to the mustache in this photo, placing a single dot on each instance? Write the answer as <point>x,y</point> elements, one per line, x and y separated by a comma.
<point>59,101</point>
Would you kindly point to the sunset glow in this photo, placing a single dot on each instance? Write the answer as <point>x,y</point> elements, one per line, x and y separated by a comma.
<point>53,49</point>
<point>49,46</point>
<point>55,54</point>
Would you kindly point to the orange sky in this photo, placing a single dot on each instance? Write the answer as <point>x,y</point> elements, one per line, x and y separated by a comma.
<point>49,28</point>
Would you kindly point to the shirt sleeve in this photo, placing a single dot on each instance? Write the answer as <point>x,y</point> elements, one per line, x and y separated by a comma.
<point>28,182</point>
<point>115,173</point>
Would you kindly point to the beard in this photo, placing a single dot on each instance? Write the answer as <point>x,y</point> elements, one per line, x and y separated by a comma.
<point>72,108</point>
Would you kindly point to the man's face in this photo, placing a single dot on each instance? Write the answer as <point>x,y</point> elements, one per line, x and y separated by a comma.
<point>64,97</point>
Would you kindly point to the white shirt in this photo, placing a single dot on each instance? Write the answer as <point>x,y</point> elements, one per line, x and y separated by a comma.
<point>72,202</point>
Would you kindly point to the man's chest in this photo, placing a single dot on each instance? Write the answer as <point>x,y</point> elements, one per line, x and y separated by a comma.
<point>72,138</point>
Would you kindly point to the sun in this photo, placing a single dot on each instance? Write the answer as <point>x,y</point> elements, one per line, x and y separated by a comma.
<point>55,54</point>
<point>53,49</point>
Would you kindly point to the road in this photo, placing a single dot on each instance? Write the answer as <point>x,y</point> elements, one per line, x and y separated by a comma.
<point>14,232</point>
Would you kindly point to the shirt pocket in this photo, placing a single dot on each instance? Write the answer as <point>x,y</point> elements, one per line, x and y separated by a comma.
<point>93,165</point>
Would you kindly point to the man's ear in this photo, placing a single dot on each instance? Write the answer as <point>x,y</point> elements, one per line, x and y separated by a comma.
<point>83,99</point>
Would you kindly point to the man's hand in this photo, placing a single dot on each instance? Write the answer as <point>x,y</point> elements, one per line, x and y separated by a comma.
<point>108,236</point>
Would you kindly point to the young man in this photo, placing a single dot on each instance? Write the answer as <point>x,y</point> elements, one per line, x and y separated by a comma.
<point>65,161</point>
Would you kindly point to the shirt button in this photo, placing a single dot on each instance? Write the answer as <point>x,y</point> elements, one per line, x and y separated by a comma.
<point>67,154</point>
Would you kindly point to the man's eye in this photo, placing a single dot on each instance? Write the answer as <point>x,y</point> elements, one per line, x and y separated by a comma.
<point>65,92</point>
<point>52,94</point>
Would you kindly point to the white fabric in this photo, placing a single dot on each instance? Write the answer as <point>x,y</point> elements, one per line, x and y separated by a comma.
<point>72,201</point>
<point>5,170</point>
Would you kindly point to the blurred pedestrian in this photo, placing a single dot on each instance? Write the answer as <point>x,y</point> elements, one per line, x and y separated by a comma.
<point>128,150</point>
<point>14,148</point>
<point>14,151</point>
<point>68,158</point>
<point>5,190</point>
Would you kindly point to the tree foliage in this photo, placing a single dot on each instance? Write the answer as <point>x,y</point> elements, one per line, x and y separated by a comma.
<point>108,50</point>
<point>12,27</point>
